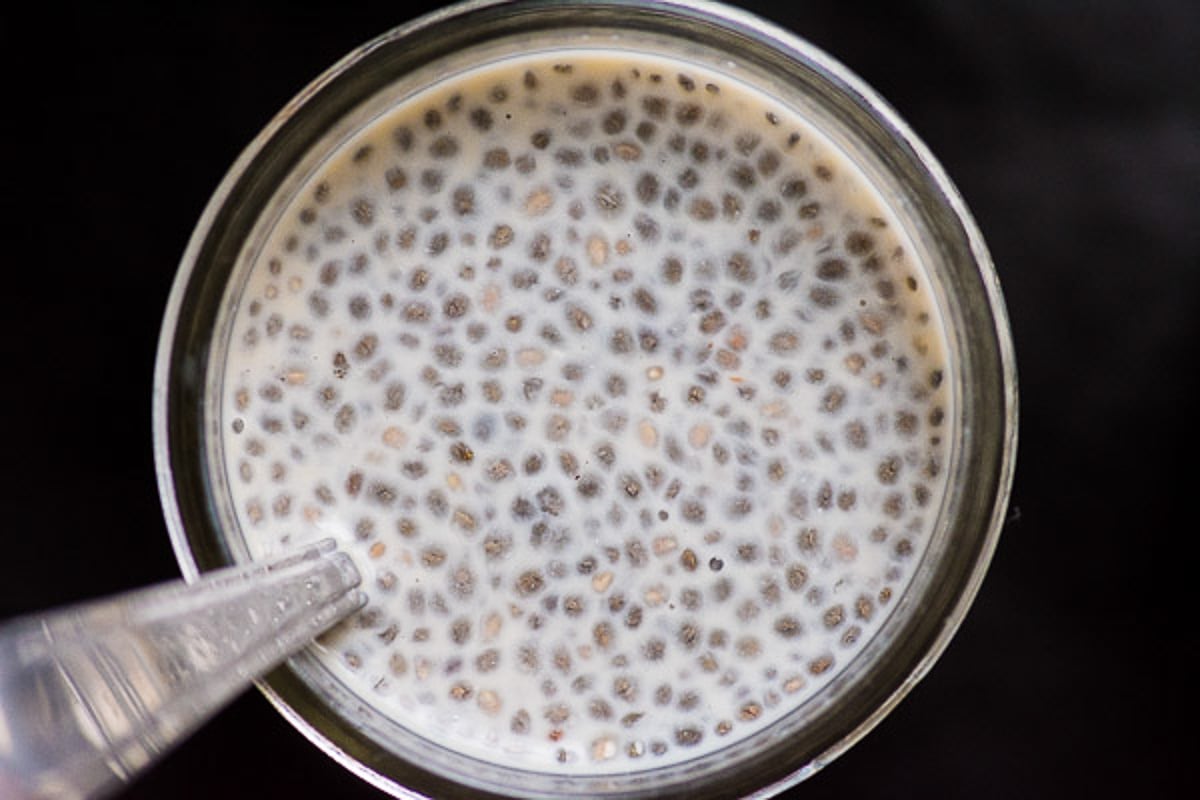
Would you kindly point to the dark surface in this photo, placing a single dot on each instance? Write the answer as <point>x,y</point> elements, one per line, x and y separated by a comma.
<point>1073,131</point>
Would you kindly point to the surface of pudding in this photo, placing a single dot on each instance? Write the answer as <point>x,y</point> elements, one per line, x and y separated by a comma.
<point>625,390</point>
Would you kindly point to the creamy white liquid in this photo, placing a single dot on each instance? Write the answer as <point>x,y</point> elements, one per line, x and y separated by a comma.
<point>621,387</point>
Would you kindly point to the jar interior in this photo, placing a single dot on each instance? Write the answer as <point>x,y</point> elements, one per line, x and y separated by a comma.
<point>205,528</point>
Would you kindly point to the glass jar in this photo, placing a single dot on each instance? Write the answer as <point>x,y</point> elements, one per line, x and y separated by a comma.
<point>205,530</point>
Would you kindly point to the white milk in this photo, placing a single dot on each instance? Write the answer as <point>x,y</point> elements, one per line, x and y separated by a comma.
<point>618,382</point>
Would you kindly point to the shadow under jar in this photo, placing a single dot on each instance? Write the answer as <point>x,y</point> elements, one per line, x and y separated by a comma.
<point>639,355</point>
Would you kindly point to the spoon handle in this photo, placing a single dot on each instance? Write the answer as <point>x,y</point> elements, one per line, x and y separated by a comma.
<point>92,694</point>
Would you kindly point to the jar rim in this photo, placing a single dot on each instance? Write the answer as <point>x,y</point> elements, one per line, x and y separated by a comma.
<point>184,345</point>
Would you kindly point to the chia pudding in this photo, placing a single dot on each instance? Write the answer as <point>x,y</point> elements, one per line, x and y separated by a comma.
<point>625,391</point>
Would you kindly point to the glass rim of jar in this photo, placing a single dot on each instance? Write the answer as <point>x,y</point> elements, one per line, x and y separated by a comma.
<point>775,757</point>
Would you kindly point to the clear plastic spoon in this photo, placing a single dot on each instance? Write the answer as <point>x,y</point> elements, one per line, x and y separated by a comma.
<point>92,694</point>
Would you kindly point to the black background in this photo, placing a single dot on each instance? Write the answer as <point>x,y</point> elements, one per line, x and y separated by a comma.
<point>1072,130</point>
